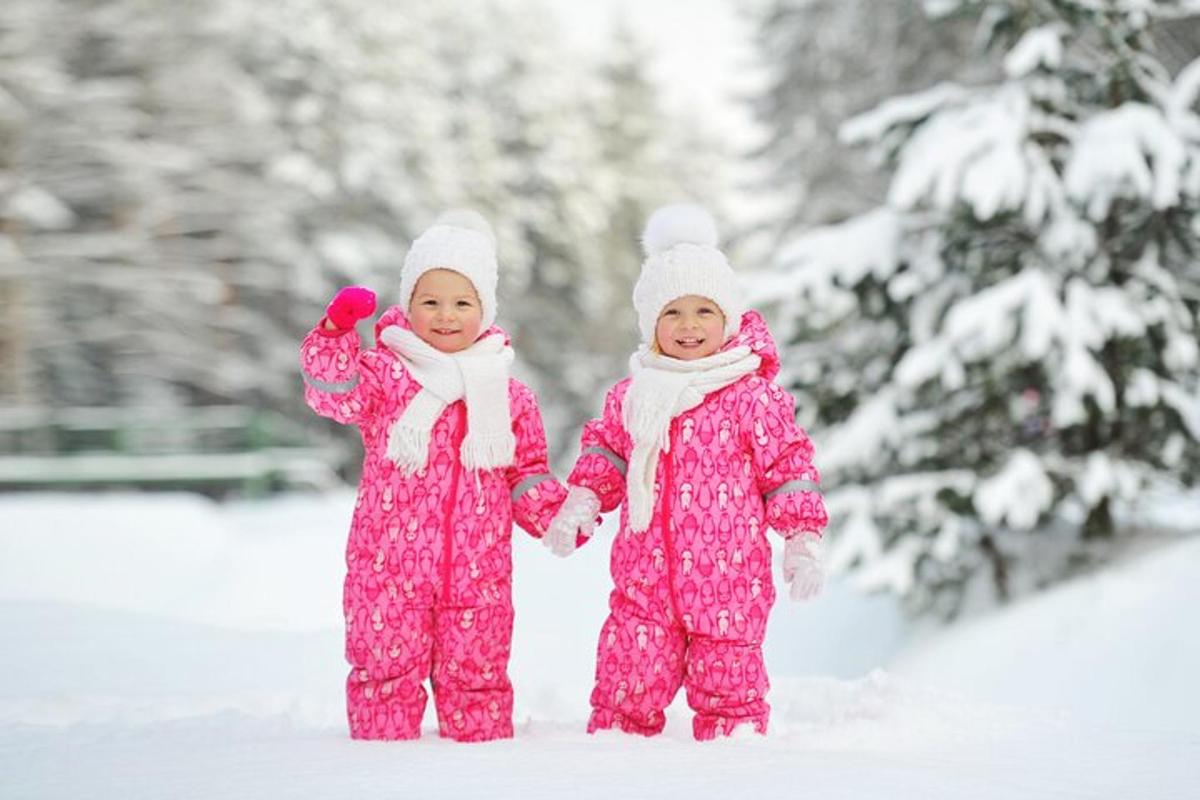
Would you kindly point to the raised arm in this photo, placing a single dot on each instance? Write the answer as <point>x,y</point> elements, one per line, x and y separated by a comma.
<point>337,381</point>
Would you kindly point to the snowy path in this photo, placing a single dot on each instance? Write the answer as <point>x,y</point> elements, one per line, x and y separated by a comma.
<point>219,675</point>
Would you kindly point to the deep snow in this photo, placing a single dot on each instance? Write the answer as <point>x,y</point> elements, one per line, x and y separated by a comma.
<point>163,646</point>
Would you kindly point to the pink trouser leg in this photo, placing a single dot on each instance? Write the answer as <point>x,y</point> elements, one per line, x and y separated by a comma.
<point>389,649</point>
<point>639,667</point>
<point>471,690</point>
<point>726,686</point>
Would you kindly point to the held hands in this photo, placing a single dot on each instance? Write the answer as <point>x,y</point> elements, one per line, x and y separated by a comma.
<point>348,306</point>
<point>575,520</point>
<point>802,565</point>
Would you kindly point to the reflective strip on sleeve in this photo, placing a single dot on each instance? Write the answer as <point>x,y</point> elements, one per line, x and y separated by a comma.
<point>612,457</point>
<point>793,486</point>
<point>330,388</point>
<point>528,483</point>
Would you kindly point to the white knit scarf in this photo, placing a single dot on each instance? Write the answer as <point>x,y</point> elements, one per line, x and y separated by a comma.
<point>479,374</point>
<point>662,389</point>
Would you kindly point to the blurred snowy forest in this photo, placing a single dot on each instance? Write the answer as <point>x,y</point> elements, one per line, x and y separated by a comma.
<point>974,223</point>
<point>184,185</point>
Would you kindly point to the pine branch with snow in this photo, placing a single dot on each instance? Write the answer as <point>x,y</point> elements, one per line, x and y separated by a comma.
<point>1008,346</point>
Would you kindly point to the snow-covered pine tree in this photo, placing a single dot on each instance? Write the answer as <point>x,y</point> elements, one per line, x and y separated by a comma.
<point>824,61</point>
<point>355,93</point>
<point>1005,354</point>
<point>127,200</point>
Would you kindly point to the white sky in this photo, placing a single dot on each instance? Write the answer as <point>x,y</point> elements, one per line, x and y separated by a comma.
<point>702,53</point>
<point>702,58</point>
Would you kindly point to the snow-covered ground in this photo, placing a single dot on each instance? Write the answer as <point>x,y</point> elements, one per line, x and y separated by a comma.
<point>165,646</point>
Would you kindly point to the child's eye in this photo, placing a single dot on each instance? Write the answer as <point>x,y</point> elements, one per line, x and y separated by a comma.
<point>671,312</point>
<point>706,312</point>
<point>429,303</point>
<point>464,303</point>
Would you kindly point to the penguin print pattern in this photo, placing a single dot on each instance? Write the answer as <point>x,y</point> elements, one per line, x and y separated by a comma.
<point>428,588</point>
<point>691,595</point>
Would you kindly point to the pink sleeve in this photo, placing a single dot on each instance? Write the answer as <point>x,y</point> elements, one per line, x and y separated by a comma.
<point>536,493</point>
<point>336,384</point>
<point>603,450</point>
<point>783,464</point>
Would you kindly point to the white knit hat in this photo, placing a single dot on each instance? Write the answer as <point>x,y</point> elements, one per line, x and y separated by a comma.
<point>682,258</point>
<point>460,240</point>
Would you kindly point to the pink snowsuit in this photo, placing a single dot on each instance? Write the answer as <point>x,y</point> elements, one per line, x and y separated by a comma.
<point>692,593</point>
<point>429,557</point>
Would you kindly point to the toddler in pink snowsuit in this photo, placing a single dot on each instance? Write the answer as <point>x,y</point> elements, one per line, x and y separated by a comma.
<point>704,450</point>
<point>454,453</point>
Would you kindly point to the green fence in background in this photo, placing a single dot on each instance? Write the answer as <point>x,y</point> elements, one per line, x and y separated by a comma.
<point>216,450</point>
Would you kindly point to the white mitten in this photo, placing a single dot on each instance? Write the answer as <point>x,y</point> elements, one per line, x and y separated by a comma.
<point>577,517</point>
<point>802,565</point>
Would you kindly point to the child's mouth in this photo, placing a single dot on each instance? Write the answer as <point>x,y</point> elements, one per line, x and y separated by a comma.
<point>444,331</point>
<point>689,343</point>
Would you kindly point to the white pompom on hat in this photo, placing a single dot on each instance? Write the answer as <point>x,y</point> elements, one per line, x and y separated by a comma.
<point>460,240</point>
<point>682,258</point>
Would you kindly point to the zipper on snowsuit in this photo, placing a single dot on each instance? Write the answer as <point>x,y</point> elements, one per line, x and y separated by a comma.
<point>665,521</point>
<point>448,508</point>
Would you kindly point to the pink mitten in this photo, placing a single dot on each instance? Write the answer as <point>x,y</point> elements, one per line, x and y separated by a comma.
<point>349,305</point>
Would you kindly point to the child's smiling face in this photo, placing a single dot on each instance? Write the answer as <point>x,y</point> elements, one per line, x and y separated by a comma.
<point>690,327</point>
<point>445,310</point>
